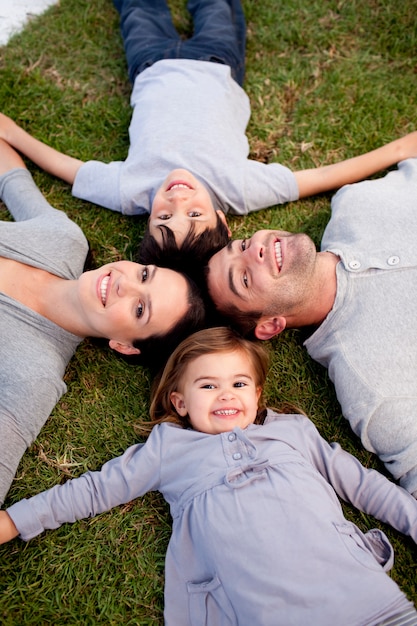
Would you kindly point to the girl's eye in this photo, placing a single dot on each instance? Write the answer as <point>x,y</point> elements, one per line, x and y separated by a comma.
<point>139,310</point>
<point>240,384</point>
<point>243,245</point>
<point>166,216</point>
<point>208,386</point>
<point>194,214</point>
<point>145,274</point>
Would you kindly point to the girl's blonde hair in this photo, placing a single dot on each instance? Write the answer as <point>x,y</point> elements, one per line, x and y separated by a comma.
<point>208,341</point>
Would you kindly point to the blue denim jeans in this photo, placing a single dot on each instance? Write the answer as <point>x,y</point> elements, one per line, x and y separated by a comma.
<point>149,34</point>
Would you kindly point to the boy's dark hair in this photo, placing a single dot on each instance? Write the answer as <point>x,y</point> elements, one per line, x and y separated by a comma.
<point>191,256</point>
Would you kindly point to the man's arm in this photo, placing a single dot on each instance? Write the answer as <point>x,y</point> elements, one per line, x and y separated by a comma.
<point>329,177</point>
<point>8,530</point>
<point>47,158</point>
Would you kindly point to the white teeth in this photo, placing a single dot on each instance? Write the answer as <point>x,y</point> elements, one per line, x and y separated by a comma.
<point>103,289</point>
<point>226,412</point>
<point>179,186</point>
<point>278,254</point>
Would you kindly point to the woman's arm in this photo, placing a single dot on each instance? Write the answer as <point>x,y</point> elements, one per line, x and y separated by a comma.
<point>329,177</point>
<point>8,530</point>
<point>47,158</point>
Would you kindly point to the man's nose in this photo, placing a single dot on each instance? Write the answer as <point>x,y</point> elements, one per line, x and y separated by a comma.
<point>256,251</point>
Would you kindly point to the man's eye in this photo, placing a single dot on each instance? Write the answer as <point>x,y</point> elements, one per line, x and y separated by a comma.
<point>243,245</point>
<point>194,214</point>
<point>139,310</point>
<point>145,274</point>
<point>245,280</point>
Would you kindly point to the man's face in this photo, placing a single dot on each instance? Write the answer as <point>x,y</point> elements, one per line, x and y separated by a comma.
<point>181,201</point>
<point>270,272</point>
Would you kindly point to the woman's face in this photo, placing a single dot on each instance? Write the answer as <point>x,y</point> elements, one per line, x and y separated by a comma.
<point>125,301</point>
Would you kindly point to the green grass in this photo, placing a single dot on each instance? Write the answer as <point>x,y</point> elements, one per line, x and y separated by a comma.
<point>335,77</point>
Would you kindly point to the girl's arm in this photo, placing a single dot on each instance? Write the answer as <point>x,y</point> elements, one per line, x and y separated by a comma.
<point>329,177</point>
<point>8,530</point>
<point>367,489</point>
<point>47,158</point>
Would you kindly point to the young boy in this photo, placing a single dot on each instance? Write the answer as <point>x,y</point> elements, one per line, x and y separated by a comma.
<point>188,165</point>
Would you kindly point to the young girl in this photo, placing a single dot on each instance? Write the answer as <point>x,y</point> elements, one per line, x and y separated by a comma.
<point>259,535</point>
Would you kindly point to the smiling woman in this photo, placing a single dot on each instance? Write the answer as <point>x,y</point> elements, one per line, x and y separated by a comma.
<point>48,305</point>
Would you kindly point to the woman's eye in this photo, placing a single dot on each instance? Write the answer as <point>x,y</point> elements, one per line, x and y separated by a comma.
<point>166,216</point>
<point>145,274</point>
<point>139,310</point>
<point>243,245</point>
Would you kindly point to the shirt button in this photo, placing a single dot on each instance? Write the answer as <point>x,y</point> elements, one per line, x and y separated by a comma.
<point>231,437</point>
<point>354,265</point>
<point>237,456</point>
<point>393,260</point>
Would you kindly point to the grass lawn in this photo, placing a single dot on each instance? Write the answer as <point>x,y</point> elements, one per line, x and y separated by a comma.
<point>327,79</point>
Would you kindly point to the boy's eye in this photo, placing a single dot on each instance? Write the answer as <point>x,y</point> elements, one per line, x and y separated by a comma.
<point>139,310</point>
<point>145,274</point>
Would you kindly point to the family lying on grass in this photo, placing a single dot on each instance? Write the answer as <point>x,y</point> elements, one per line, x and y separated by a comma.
<point>249,488</point>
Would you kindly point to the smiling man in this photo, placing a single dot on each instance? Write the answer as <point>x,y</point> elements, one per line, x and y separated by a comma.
<point>359,296</point>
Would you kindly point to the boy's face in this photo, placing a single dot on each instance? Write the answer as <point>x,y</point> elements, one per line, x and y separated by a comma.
<point>182,200</point>
<point>218,392</point>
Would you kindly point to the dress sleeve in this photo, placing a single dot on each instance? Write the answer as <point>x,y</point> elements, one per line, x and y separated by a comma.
<point>367,489</point>
<point>119,481</point>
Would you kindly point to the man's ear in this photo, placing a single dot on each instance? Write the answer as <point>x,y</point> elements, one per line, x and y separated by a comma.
<point>268,327</point>
<point>224,220</point>
<point>177,400</point>
<point>123,348</point>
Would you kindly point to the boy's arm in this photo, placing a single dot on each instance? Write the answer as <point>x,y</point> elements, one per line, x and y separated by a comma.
<point>8,530</point>
<point>329,177</point>
<point>47,158</point>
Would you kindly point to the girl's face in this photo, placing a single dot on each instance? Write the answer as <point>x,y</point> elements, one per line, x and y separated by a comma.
<point>124,301</point>
<point>218,392</point>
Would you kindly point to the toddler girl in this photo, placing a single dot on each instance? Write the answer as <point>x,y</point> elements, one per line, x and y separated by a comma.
<point>259,536</point>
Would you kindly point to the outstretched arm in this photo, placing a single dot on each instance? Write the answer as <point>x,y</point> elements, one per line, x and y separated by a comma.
<point>47,158</point>
<point>329,177</point>
<point>8,530</point>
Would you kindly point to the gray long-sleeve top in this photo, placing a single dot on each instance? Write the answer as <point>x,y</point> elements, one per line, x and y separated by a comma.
<point>34,351</point>
<point>368,341</point>
<point>259,535</point>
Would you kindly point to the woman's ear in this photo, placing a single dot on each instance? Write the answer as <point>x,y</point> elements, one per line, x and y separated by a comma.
<point>177,400</point>
<point>123,348</point>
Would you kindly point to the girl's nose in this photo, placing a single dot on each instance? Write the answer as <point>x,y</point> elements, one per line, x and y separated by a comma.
<point>227,394</point>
